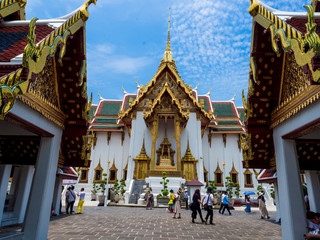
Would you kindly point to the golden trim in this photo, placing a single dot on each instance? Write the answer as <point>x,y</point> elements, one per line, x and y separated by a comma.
<point>100,169</point>
<point>282,76</point>
<point>218,170</point>
<point>245,179</point>
<point>86,179</point>
<point>113,168</point>
<point>8,7</point>
<point>234,171</point>
<point>45,108</point>
<point>291,106</point>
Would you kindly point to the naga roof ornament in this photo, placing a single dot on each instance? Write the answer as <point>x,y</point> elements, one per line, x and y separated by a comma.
<point>306,48</point>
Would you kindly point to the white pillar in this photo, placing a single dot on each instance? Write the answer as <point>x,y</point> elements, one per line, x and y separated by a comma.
<point>25,181</point>
<point>276,192</point>
<point>5,171</point>
<point>312,178</point>
<point>38,211</point>
<point>293,224</point>
<point>57,195</point>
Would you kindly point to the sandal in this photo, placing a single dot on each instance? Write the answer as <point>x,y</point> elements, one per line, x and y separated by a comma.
<point>173,217</point>
<point>178,217</point>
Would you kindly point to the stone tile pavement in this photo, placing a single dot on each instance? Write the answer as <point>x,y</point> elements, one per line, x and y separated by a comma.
<point>137,223</point>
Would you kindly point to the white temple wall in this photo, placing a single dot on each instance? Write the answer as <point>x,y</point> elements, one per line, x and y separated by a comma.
<point>192,132</point>
<point>112,151</point>
<point>138,131</point>
<point>228,155</point>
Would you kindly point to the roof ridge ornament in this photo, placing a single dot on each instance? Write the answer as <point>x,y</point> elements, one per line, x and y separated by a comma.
<point>167,54</point>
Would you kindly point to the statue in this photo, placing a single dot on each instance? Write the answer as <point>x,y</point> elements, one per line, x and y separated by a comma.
<point>112,195</point>
<point>182,191</point>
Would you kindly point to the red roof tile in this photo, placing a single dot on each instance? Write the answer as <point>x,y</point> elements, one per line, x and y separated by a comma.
<point>194,182</point>
<point>17,47</point>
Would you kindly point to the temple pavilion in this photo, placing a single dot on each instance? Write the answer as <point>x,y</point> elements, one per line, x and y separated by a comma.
<point>282,108</point>
<point>166,126</point>
<point>44,113</point>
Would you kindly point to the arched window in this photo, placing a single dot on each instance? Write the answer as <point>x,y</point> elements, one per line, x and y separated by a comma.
<point>234,174</point>
<point>205,174</point>
<point>218,176</point>
<point>248,179</point>
<point>98,173</point>
<point>113,173</point>
<point>83,175</point>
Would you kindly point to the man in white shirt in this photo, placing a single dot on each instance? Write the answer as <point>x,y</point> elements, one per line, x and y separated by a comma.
<point>221,204</point>
<point>207,202</point>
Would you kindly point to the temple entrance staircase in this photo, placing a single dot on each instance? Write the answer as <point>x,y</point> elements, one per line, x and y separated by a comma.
<point>137,189</point>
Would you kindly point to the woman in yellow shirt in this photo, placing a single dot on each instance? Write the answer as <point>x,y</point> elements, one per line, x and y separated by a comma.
<point>171,203</point>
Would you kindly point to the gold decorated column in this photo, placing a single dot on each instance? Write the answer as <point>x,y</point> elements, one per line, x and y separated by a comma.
<point>154,140</point>
<point>178,140</point>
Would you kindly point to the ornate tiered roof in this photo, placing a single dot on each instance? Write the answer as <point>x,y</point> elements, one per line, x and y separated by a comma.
<point>284,76</point>
<point>45,68</point>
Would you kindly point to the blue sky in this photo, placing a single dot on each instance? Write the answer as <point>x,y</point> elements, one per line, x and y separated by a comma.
<point>126,39</point>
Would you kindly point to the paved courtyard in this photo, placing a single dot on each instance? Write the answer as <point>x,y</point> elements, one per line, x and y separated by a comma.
<point>138,223</point>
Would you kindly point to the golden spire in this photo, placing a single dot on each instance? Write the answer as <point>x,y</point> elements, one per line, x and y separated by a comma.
<point>167,54</point>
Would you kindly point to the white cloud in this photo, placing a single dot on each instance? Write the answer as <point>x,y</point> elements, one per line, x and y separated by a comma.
<point>103,57</point>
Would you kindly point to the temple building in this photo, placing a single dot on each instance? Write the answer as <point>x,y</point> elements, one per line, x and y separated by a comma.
<point>282,109</point>
<point>44,112</point>
<point>166,126</point>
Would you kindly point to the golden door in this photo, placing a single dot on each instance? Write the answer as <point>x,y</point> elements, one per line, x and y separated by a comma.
<point>142,170</point>
<point>188,170</point>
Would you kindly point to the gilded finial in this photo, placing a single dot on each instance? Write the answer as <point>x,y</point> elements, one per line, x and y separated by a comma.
<point>100,98</point>
<point>233,99</point>
<point>124,91</point>
<point>167,54</point>
<point>196,88</point>
<point>209,92</point>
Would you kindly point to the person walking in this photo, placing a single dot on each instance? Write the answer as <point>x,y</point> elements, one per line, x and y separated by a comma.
<point>196,201</point>
<point>186,196</point>
<point>248,203</point>
<point>226,203</point>
<point>221,202</point>
<point>149,200</point>
<point>208,202</point>
<point>262,206</point>
<point>81,195</point>
<point>171,201</point>
<point>177,205</point>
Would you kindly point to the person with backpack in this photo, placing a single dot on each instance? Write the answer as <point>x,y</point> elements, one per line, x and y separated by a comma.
<point>207,203</point>
<point>195,206</point>
<point>226,203</point>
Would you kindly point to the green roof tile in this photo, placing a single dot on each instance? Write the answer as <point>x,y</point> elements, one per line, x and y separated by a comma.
<point>128,99</point>
<point>206,107</point>
<point>92,111</point>
<point>227,122</point>
<point>106,120</point>
<point>241,113</point>
<point>223,110</point>
<point>110,108</point>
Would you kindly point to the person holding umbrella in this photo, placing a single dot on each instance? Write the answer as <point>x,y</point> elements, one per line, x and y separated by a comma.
<point>247,200</point>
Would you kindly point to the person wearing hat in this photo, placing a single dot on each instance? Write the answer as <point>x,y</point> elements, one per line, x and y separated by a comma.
<point>262,206</point>
<point>207,202</point>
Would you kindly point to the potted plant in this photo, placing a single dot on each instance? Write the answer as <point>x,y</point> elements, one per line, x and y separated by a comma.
<point>94,191</point>
<point>102,187</point>
<point>273,194</point>
<point>116,188</point>
<point>122,190</point>
<point>163,197</point>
